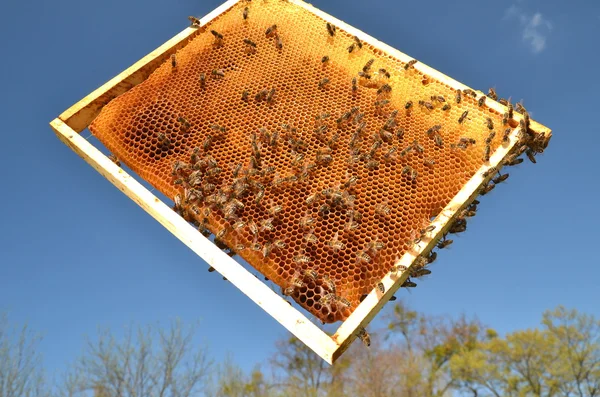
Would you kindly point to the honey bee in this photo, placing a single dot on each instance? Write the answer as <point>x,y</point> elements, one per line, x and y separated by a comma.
<point>514,161</point>
<point>490,123</point>
<point>289,291</point>
<point>310,238</point>
<point>115,160</point>
<point>490,137</point>
<point>458,96</point>
<point>195,22</point>
<point>344,301</point>
<point>405,151</point>
<point>363,257</point>
<point>278,42</point>
<point>310,273</point>
<point>410,64</point>
<point>250,43</point>
<point>492,94</point>
<point>325,59</point>
<point>510,111</point>
<point>368,65</point>
<point>438,98</point>
<point>270,97</point>
<point>383,209</point>
<point>481,101</point>
<point>173,60</point>
<point>381,287</point>
<point>386,88</point>
<point>427,105</point>
<point>400,133</point>
<point>218,73</point>
<point>364,75</point>
<point>444,243</point>
<point>327,299</point>
<point>462,118</point>
<point>500,178</point>
<point>531,155</point>
<point>446,107</point>
<point>323,82</point>
<point>328,282</point>
<point>211,269</point>
<point>302,259</point>
<point>310,200</point>
<point>434,129</point>
<point>485,190</point>
<point>351,226</point>
<point>335,244</point>
<point>350,182</point>
<point>486,155</point>
<point>354,85</point>
<point>351,47</point>
<point>438,140</point>
<point>409,284</point>
<point>324,209</point>
<point>364,337</point>
<point>221,233</point>
<point>270,30</point>
<point>389,155</point>
<point>419,272</point>
<point>414,175</point>
<point>332,143</point>
<point>385,73</point>
<point>297,282</point>
<point>245,13</point>
<point>259,196</point>
<point>506,135</point>
<point>418,148</point>
<point>323,159</point>
<point>489,172</point>
<point>331,29</point>
<point>469,91</point>
<point>266,250</point>
<point>372,164</point>
<point>428,229</point>
<point>358,42</point>
<point>185,125</point>
<point>429,162</point>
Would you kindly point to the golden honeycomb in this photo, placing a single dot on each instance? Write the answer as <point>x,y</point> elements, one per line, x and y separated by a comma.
<point>405,173</point>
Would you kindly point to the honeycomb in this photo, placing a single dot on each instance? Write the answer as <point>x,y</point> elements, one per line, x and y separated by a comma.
<point>320,205</point>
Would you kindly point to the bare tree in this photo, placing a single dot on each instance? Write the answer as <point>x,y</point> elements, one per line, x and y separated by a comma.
<point>157,363</point>
<point>21,373</point>
<point>233,382</point>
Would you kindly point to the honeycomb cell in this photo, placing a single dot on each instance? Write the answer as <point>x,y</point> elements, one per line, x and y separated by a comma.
<point>212,131</point>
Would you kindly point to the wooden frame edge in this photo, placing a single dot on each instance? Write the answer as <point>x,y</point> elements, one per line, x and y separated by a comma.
<point>79,116</point>
<point>256,290</point>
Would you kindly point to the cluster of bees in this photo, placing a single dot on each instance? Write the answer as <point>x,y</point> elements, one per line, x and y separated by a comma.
<point>202,192</point>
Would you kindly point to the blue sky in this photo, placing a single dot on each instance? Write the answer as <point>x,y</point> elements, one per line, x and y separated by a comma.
<point>76,253</point>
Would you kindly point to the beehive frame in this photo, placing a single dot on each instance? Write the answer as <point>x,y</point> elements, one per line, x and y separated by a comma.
<point>78,117</point>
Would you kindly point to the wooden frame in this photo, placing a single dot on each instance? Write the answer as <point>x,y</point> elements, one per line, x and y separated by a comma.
<point>79,116</point>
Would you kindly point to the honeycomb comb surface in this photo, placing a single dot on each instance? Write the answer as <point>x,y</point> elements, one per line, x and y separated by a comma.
<point>141,128</point>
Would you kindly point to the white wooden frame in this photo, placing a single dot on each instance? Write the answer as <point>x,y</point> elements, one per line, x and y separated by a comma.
<point>75,119</point>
